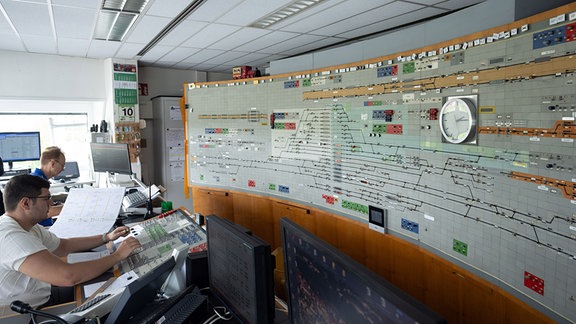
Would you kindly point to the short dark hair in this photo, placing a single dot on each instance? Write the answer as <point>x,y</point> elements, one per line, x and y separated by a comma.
<point>20,186</point>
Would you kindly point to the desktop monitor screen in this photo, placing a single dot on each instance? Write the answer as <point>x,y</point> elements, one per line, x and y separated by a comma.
<point>20,146</point>
<point>324,285</point>
<point>111,157</point>
<point>140,292</point>
<point>70,171</point>
<point>240,271</point>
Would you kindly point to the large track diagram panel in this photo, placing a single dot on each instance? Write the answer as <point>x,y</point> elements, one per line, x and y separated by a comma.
<point>469,148</point>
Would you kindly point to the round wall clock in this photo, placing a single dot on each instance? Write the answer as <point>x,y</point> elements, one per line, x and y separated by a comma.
<point>458,120</point>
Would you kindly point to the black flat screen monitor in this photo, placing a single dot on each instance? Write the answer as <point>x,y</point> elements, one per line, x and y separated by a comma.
<point>139,293</point>
<point>70,171</point>
<point>111,158</point>
<point>240,271</point>
<point>324,285</point>
<point>19,146</point>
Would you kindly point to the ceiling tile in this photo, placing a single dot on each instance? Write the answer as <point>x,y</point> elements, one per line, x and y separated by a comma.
<point>392,22</point>
<point>74,22</point>
<point>146,29</point>
<point>202,56</point>
<point>29,18</point>
<point>86,4</point>
<point>73,47</point>
<point>39,44</point>
<point>212,9</point>
<point>166,8</point>
<point>368,18</point>
<point>11,42</point>
<point>293,43</point>
<point>102,49</point>
<point>182,32</point>
<point>156,52</point>
<point>251,10</point>
<point>129,50</point>
<point>179,53</point>
<point>239,38</point>
<point>267,40</point>
<point>209,35</point>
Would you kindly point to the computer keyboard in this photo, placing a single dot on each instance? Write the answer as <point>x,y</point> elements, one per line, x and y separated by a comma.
<point>187,307</point>
<point>98,306</point>
<point>134,199</point>
<point>89,304</point>
<point>192,305</point>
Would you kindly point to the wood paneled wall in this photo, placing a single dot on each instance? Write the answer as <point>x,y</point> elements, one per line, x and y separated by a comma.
<point>456,294</point>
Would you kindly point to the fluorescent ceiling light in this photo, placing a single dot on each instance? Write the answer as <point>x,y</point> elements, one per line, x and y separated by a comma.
<point>117,17</point>
<point>284,13</point>
<point>195,4</point>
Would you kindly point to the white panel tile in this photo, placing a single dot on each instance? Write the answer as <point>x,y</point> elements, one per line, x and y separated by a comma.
<point>11,42</point>
<point>157,52</point>
<point>293,43</point>
<point>29,18</point>
<point>73,47</point>
<point>146,29</point>
<point>250,11</point>
<point>103,49</point>
<point>209,35</point>
<point>267,40</point>
<point>213,9</point>
<point>182,32</point>
<point>39,44</point>
<point>180,53</point>
<point>74,22</point>
<point>129,50</point>
<point>202,56</point>
<point>457,4</point>
<point>239,38</point>
<point>166,8</point>
<point>391,23</point>
<point>87,4</point>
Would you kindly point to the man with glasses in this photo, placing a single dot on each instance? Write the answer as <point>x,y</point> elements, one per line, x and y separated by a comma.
<point>52,163</point>
<point>32,268</point>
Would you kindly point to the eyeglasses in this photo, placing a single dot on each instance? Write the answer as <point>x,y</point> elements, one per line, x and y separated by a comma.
<point>47,197</point>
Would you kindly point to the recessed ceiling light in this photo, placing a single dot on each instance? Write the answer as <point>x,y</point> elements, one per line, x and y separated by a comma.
<point>284,13</point>
<point>116,17</point>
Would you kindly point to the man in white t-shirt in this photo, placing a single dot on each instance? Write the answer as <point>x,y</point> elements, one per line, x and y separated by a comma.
<point>31,266</point>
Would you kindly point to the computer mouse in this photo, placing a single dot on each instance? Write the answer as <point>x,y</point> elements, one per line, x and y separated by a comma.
<point>62,180</point>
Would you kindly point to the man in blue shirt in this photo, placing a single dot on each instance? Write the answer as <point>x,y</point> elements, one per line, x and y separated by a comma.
<point>52,163</point>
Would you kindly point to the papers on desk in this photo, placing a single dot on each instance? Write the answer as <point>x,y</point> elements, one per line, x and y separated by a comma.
<point>113,284</point>
<point>88,211</point>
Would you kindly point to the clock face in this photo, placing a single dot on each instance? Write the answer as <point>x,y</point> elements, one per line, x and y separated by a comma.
<point>458,120</point>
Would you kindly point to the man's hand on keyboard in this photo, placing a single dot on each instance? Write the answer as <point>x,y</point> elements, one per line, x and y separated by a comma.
<point>118,232</point>
<point>127,246</point>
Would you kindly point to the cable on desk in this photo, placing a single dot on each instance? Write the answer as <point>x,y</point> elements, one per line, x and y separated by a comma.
<point>227,316</point>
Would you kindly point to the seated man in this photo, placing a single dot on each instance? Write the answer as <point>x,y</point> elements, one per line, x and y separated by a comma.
<point>52,163</point>
<point>32,257</point>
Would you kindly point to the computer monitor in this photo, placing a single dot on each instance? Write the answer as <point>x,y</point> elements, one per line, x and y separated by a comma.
<point>240,271</point>
<point>111,157</point>
<point>140,292</point>
<point>70,171</point>
<point>324,285</point>
<point>19,146</point>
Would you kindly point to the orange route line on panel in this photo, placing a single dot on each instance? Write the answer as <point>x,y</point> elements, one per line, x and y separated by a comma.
<point>520,71</point>
<point>567,187</point>
<point>561,129</point>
